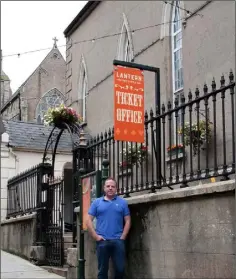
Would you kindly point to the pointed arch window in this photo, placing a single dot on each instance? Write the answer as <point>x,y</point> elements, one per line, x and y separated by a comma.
<point>177,58</point>
<point>83,89</point>
<point>177,64</point>
<point>125,47</point>
<point>51,99</point>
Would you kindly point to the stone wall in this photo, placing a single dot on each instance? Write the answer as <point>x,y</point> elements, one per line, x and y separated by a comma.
<point>18,235</point>
<point>185,233</point>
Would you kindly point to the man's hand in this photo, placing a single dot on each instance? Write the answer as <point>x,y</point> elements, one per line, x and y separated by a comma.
<point>99,238</point>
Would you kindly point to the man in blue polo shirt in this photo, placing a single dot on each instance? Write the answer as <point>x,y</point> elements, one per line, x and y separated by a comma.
<point>112,227</point>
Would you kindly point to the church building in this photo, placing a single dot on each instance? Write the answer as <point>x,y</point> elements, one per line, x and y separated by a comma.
<point>44,88</point>
<point>6,91</point>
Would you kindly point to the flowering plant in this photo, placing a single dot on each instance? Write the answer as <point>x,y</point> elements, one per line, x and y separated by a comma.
<point>60,115</point>
<point>174,147</point>
<point>132,155</point>
<point>197,134</point>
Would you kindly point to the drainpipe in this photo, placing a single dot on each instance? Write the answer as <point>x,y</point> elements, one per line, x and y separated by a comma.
<point>16,159</point>
<point>235,179</point>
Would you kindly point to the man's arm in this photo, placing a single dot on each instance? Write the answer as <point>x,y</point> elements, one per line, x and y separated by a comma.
<point>90,227</point>
<point>127,220</point>
<point>126,227</point>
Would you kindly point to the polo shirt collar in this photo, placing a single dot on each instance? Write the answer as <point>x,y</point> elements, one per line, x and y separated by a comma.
<point>115,197</point>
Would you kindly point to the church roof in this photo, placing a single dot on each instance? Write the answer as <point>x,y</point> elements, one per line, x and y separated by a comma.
<point>17,93</point>
<point>33,136</point>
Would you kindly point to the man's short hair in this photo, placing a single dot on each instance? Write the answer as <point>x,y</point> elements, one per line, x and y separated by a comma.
<point>110,178</point>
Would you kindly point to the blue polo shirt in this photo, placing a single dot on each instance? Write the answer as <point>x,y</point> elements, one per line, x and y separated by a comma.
<point>109,216</point>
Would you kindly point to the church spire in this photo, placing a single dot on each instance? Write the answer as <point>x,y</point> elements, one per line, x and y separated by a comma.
<point>55,42</point>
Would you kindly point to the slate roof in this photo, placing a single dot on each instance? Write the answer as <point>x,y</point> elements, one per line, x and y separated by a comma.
<point>33,136</point>
<point>2,128</point>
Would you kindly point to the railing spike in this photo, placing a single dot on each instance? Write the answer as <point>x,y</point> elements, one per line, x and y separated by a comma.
<point>151,113</point>
<point>231,76</point>
<point>163,108</point>
<point>205,88</point>
<point>146,115</point>
<point>197,92</point>
<point>176,102</point>
<point>190,95</point>
<point>169,105</point>
<point>213,84</point>
<point>222,80</point>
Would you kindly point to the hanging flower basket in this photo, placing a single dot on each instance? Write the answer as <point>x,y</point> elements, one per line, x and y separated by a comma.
<point>197,135</point>
<point>62,115</point>
<point>133,155</point>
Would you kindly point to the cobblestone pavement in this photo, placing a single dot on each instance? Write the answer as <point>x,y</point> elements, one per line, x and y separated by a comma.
<point>13,267</point>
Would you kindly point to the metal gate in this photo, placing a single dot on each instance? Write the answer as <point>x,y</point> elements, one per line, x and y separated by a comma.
<point>54,226</point>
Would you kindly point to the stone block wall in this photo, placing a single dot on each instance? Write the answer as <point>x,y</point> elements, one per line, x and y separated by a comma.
<point>18,235</point>
<point>185,233</point>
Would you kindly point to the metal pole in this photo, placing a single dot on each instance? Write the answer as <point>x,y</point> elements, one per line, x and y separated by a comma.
<point>1,120</point>
<point>135,65</point>
<point>235,176</point>
<point>81,264</point>
<point>158,128</point>
<point>1,81</point>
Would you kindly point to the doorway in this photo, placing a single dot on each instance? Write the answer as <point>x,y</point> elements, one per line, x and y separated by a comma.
<point>68,199</point>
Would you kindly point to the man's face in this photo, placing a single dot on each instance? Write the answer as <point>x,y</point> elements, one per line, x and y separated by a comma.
<point>110,188</point>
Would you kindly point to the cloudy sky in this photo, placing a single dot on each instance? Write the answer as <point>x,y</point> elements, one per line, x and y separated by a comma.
<point>31,25</point>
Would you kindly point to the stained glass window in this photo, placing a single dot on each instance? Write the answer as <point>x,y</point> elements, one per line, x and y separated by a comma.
<point>51,99</point>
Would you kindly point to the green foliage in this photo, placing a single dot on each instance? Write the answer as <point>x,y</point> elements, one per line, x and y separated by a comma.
<point>62,114</point>
<point>198,134</point>
<point>133,155</point>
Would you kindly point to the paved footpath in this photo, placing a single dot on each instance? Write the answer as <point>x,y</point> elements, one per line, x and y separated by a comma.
<point>13,267</point>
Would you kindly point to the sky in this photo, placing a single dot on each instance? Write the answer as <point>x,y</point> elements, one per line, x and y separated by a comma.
<point>32,25</point>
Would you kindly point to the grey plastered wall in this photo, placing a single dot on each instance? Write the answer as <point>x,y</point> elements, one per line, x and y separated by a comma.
<point>208,50</point>
<point>18,235</point>
<point>186,233</point>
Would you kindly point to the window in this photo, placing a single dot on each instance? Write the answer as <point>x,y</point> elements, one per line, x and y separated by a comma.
<point>51,99</point>
<point>84,95</point>
<point>125,47</point>
<point>177,65</point>
<point>83,89</point>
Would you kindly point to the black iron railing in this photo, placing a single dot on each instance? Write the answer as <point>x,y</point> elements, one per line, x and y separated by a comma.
<point>24,191</point>
<point>54,223</point>
<point>197,142</point>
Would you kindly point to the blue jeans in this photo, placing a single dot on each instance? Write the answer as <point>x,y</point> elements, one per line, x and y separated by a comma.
<point>114,249</point>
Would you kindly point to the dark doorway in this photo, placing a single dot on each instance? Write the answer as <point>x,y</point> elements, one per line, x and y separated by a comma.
<point>68,199</point>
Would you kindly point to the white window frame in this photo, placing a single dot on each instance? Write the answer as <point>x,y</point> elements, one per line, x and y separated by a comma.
<point>83,88</point>
<point>178,90</point>
<point>125,46</point>
<point>179,48</point>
